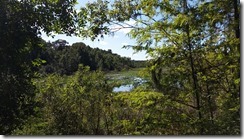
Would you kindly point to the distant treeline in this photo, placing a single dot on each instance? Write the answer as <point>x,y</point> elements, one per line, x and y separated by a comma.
<point>58,57</point>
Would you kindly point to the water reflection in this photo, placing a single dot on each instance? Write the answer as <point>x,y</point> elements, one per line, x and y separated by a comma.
<point>128,87</point>
<point>123,88</point>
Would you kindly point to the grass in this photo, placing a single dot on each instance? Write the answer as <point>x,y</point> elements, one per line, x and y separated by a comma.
<point>125,73</point>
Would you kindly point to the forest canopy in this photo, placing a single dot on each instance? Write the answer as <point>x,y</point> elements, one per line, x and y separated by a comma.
<point>193,76</point>
<point>65,59</point>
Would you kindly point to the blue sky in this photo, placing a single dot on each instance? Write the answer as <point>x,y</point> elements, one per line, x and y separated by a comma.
<point>115,43</point>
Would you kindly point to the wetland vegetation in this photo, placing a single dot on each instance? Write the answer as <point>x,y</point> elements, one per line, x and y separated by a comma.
<point>189,86</point>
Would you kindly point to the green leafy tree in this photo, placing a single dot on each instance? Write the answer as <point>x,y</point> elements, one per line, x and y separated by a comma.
<point>21,23</point>
<point>65,59</point>
<point>195,51</point>
<point>70,105</point>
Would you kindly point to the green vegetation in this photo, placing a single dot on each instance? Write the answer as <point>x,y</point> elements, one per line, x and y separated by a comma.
<point>193,75</point>
<point>128,77</point>
<point>64,60</point>
<point>76,105</point>
<point>21,23</point>
<point>195,51</point>
<point>126,73</point>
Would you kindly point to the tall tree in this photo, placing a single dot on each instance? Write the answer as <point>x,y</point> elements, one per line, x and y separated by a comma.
<point>21,23</point>
<point>194,47</point>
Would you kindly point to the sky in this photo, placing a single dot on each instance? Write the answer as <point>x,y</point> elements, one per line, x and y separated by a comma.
<point>115,43</point>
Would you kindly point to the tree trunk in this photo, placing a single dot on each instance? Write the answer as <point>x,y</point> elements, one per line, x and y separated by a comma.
<point>193,71</point>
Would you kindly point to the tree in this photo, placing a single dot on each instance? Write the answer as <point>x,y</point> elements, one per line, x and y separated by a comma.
<point>195,50</point>
<point>66,59</point>
<point>21,23</point>
<point>73,105</point>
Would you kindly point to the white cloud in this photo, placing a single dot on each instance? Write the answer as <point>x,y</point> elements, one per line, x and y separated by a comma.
<point>103,43</point>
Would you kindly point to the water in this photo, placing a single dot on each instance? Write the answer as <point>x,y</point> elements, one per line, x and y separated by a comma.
<point>128,87</point>
<point>123,88</point>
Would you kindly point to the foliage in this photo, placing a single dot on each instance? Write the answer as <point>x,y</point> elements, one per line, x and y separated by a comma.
<point>148,113</point>
<point>135,77</point>
<point>70,105</point>
<point>20,26</point>
<point>195,68</point>
<point>84,105</point>
<point>195,50</point>
<point>65,59</point>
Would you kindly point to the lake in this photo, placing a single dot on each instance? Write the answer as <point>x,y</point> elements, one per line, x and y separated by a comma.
<point>123,88</point>
<point>125,80</point>
<point>128,87</point>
